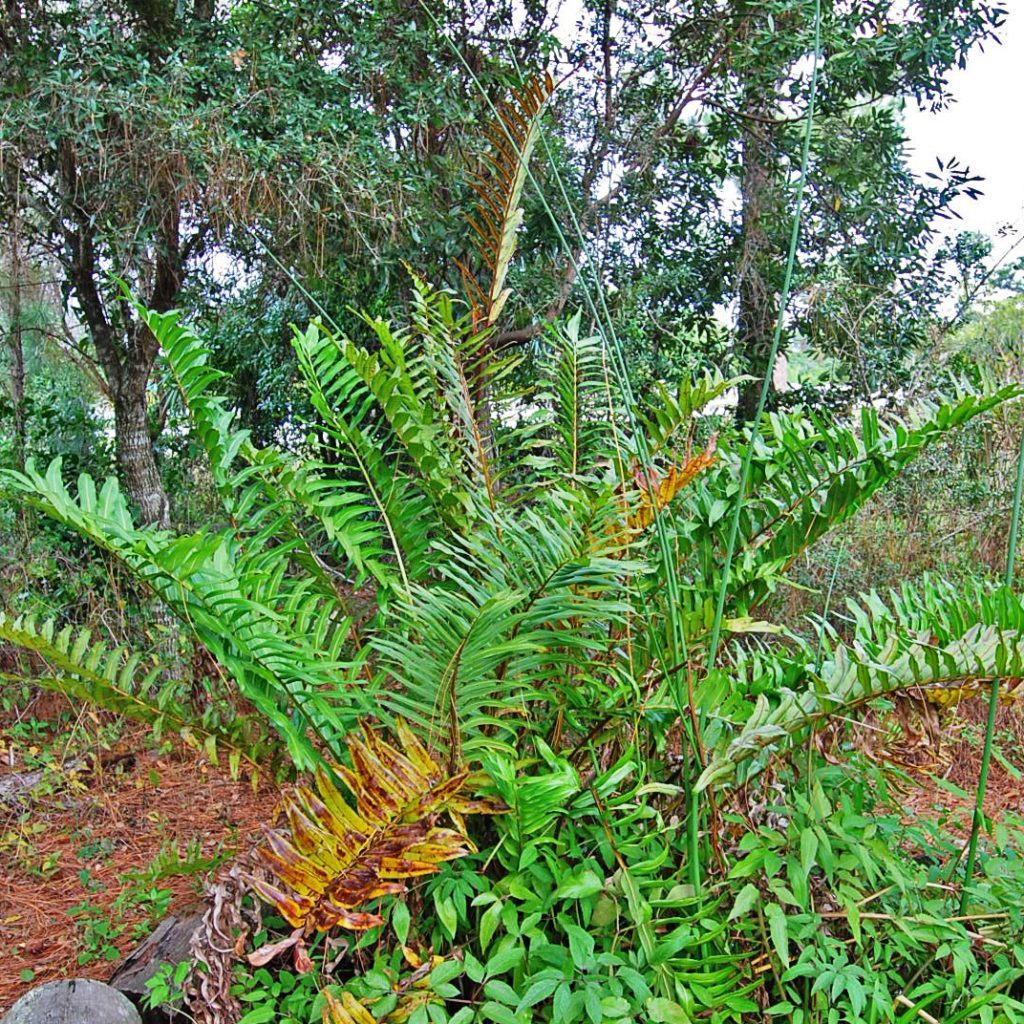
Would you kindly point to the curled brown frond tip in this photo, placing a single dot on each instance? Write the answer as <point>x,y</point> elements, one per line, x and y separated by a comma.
<point>499,214</point>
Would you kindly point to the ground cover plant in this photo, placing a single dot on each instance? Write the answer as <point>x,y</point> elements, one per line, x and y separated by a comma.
<point>511,637</point>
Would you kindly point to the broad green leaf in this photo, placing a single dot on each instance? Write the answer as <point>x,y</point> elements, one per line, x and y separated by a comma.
<point>779,931</point>
<point>666,1011</point>
<point>580,885</point>
<point>745,900</point>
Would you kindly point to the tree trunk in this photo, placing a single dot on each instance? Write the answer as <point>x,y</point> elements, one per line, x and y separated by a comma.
<point>758,303</point>
<point>17,350</point>
<point>18,378</point>
<point>126,352</point>
<point>757,270</point>
<point>136,462</point>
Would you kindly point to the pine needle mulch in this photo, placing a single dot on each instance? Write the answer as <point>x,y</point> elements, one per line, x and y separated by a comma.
<point>946,791</point>
<point>78,834</point>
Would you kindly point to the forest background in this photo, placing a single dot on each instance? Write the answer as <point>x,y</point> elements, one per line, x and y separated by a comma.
<point>630,441</point>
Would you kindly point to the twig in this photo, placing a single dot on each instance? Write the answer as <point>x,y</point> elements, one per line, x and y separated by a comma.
<point>923,1014</point>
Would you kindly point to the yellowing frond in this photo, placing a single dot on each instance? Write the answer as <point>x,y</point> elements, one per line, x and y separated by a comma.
<point>1010,690</point>
<point>338,857</point>
<point>346,1010</point>
<point>657,491</point>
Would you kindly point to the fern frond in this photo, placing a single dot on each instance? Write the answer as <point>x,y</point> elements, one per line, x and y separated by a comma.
<point>467,371</point>
<point>939,611</point>
<point>446,659</point>
<point>524,609</point>
<point>277,637</point>
<point>344,382</point>
<point>827,473</point>
<point>213,423</point>
<point>656,492</point>
<point>499,213</point>
<point>668,419</point>
<point>967,640</point>
<point>269,496</point>
<point>809,475</point>
<point>88,671</point>
<point>572,389</point>
<point>337,858</point>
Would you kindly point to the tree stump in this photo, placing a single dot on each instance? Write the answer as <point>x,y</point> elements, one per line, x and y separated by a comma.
<point>168,944</point>
<point>77,1001</point>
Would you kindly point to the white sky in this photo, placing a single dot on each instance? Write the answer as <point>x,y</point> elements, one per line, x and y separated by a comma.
<point>984,129</point>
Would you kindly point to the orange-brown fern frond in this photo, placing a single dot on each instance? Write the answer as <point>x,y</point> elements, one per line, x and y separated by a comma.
<point>657,491</point>
<point>498,211</point>
<point>337,857</point>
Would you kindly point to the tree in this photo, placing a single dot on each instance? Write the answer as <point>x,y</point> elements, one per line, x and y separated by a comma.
<point>100,193</point>
<point>140,139</point>
<point>16,340</point>
<point>684,123</point>
<point>326,146</point>
<point>865,212</point>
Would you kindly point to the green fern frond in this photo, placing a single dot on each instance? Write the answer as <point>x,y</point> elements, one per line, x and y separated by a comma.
<point>938,645</point>
<point>357,491</point>
<point>524,609</point>
<point>88,671</point>
<point>269,496</point>
<point>936,606</point>
<point>810,474</point>
<point>573,389</point>
<point>825,473</point>
<point>213,423</point>
<point>469,373</point>
<point>276,636</point>
<point>668,419</point>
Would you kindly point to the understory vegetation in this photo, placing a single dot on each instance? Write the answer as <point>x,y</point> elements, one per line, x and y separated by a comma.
<point>589,679</point>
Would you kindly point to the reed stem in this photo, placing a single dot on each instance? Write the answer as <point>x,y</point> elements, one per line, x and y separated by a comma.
<point>993,697</point>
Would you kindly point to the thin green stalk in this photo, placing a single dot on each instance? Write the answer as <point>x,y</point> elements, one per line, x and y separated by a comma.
<point>828,604</point>
<point>820,653</point>
<point>310,298</point>
<point>993,697</point>
<point>755,428</point>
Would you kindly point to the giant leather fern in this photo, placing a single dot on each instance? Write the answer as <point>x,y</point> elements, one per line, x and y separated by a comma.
<point>506,561</point>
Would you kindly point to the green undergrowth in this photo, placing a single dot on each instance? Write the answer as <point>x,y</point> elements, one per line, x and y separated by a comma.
<point>834,907</point>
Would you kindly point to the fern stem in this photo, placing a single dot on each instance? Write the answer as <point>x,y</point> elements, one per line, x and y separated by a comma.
<point>993,697</point>
<point>677,654</point>
<point>755,427</point>
<point>678,648</point>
